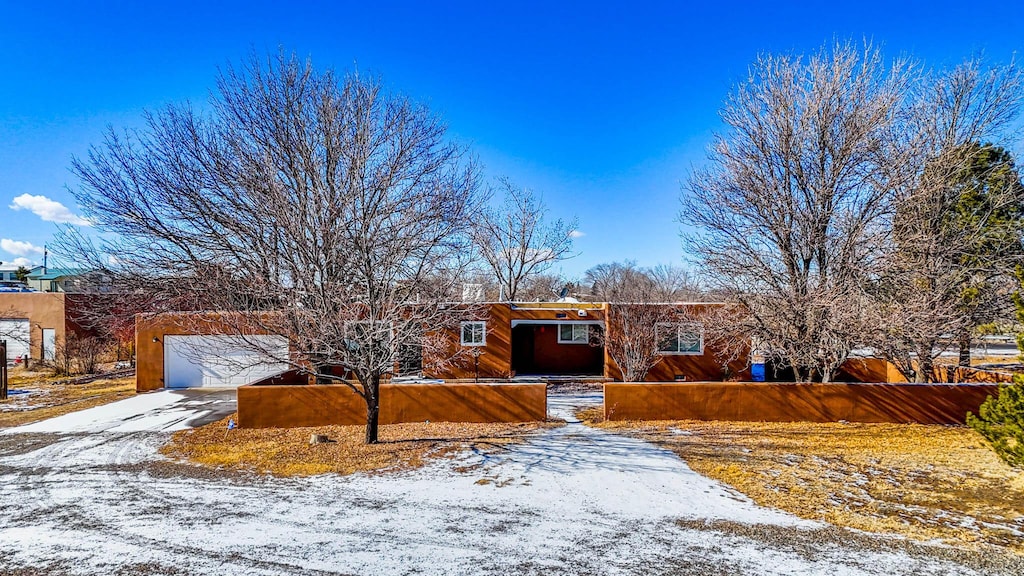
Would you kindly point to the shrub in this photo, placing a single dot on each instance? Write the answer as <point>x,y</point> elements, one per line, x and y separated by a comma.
<point>1001,421</point>
<point>77,355</point>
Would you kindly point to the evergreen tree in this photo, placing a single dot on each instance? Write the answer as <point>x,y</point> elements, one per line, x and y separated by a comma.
<point>989,210</point>
<point>1001,421</point>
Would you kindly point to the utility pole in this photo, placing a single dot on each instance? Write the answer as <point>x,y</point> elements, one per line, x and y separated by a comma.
<point>3,369</point>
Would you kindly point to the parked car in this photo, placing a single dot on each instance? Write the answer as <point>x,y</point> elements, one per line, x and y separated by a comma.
<point>10,286</point>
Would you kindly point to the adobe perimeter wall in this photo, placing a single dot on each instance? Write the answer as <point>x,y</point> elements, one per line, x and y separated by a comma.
<point>298,405</point>
<point>789,402</point>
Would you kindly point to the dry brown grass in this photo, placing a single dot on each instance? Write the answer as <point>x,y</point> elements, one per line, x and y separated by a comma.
<point>592,415</point>
<point>287,452</point>
<point>925,482</point>
<point>48,397</point>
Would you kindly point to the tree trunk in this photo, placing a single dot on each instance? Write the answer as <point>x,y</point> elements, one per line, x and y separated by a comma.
<point>372,409</point>
<point>924,369</point>
<point>801,375</point>
<point>965,347</point>
<point>320,370</point>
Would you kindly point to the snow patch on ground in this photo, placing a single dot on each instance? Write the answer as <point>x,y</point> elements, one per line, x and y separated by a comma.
<point>166,411</point>
<point>573,500</point>
<point>18,400</point>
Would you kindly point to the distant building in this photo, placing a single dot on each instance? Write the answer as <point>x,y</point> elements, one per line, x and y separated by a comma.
<point>70,280</point>
<point>9,272</point>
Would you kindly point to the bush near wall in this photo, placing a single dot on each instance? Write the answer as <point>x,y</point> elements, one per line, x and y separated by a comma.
<point>1000,420</point>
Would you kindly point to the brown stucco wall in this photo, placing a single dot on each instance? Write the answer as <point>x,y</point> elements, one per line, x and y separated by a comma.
<point>298,405</point>
<point>42,309</point>
<point>495,359</point>
<point>551,357</point>
<point>491,361</point>
<point>150,330</point>
<point>880,370</point>
<point>964,374</point>
<point>786,402</point>
<point>710,365</point>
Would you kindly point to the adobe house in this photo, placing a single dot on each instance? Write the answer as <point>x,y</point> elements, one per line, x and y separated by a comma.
<point>501,355</point>
<point>557,340</point>
<point>34,322</point>
<point>497,341</point>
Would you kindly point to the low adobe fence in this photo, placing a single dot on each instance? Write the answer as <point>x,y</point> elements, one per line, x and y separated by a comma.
<point>296,405</point>
<point>793,402</point>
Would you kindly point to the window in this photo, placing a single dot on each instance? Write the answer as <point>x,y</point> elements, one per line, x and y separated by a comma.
<point>376,334</point>
<point>680,339</point>
<point>473,334</point>
<point>573,334</point>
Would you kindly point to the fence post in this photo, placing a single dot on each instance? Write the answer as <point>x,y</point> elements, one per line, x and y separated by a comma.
<point>3,369</point>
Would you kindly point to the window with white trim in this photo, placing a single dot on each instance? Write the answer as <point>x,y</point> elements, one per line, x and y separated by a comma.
<point>473,334</point>
<point>683,338</point>
<point>573,334</point>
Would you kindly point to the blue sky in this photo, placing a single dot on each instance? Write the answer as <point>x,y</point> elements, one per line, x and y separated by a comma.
<point>603,108</point>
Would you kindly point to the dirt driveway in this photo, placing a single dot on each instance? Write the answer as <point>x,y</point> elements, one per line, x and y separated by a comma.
<point>571,500</point>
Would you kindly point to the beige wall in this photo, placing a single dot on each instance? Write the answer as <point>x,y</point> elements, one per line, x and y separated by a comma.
<point>42,309</point>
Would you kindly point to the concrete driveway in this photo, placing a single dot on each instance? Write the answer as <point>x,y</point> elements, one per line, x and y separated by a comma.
<point>160,411</point>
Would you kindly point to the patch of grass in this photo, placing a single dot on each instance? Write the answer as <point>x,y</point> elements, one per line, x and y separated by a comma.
<point>21,378</point>
<point>925,482</point>
<point>48,396</point>
<point>287,452</point>
<point>590,416</point>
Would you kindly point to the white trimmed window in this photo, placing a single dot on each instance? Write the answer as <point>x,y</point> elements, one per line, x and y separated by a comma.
<point>573,334</point>
<point>679,338</point>
<point>473,334</point>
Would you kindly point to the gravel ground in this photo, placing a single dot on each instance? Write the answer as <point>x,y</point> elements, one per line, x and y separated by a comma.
<point>570,500</point>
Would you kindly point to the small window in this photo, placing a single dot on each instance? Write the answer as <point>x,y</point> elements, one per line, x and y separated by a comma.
<point>378,334</point>
<point>680,339</point>
<point>573,333</point>
<point>474,334</point>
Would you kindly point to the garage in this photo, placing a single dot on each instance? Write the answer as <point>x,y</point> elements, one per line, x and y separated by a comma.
<point>16,332</point>
<point>222,361</point>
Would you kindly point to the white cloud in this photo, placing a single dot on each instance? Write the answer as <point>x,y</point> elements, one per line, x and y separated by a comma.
<point>47,209</point>
<point>23,262</point>
<point>19,248</point>
<point>577,234</point>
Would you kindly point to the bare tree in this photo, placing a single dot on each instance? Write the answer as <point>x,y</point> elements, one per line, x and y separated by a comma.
<point>322,209</point>
<point>958,223</point>
<point>63,362</point>
<point>674,283</point>
<point>517,243</point>
<point>547,288</point>
<point>636,319</point>
<point>788,214</point>
<point>77,354</point>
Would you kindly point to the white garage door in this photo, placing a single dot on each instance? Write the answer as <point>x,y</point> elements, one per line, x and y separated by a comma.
<point>15,331</point>
<point>222,361</point>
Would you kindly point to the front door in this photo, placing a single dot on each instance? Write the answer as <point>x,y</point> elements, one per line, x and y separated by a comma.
<point>49,351</point>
